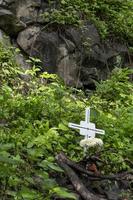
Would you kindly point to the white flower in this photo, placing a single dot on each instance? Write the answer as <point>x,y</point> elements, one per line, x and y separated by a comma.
<point>91,142</point>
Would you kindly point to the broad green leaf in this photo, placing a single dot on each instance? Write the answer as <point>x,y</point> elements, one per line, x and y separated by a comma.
<point>61,192</point>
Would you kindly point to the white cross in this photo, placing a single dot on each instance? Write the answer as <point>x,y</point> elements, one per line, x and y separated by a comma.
<point>86,127</point>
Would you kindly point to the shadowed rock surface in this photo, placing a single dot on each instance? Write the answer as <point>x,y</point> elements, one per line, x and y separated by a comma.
<point>76,54</point>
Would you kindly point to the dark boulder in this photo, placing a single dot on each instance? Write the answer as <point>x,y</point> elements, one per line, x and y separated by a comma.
<point>76,54</point>
<point>9,22</point>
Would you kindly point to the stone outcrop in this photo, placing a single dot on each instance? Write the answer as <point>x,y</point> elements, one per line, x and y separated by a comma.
<point>10,23</point>
<point>76,54</point>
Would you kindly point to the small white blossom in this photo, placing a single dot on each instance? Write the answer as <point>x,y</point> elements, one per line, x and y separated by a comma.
<point>91,142</point>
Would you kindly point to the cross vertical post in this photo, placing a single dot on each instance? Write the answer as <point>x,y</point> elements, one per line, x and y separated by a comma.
<point>87,115</point>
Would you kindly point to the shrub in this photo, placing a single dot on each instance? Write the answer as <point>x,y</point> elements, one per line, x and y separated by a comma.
<point>34,118</point>
<point>33,128</point>
<point>113,103</point>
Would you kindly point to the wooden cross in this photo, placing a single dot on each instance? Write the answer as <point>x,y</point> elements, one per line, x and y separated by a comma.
<point>86,127</point>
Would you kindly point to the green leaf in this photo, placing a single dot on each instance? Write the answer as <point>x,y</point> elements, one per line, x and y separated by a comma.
<point>61,192</point>
<point>28,194</point>
<point>63,127</point>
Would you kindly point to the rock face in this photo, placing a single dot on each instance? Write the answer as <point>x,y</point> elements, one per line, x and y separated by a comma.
<point>76,54</point>
<point>9,22</point>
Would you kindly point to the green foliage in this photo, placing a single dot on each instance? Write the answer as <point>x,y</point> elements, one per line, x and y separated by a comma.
<point>110,17</point>
<point>113,103</point>
<point>8,67</point>
<point>34,118</point>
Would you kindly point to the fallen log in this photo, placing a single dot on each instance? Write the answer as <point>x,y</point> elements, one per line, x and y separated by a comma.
<point>93,176</point>
<point>75,180</point>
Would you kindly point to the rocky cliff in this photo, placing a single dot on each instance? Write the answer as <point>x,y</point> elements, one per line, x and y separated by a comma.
<point>77,54</point>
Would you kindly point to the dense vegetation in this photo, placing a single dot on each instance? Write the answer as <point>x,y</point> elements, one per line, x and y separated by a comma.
<point>112,17</point>
<point>34,116</point>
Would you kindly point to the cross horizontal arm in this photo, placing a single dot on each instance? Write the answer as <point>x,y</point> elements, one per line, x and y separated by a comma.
<point>76,126</point>
<point>100,131</point>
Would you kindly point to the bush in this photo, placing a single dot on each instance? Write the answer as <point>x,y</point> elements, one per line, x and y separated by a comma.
<point>33,128</point>
<point>113,103</point>
<point>34,118</point>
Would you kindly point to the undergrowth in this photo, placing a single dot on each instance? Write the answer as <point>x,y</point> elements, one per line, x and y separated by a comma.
<point>34,118</point>
<point>113,104</point>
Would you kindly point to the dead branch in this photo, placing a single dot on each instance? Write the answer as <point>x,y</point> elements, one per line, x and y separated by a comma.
<point>76,182</point>
<point>92,176</point>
